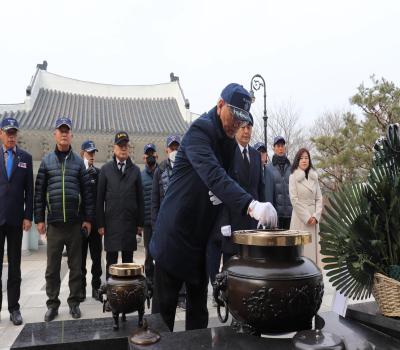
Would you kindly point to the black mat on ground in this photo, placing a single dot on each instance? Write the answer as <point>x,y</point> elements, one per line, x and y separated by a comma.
<point>85,334</point>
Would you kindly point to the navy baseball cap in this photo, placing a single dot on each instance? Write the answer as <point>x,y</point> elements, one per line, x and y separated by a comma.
<point>9,123</point>
<point>150,146</point>
<point>63,121</point>
<point>278,139</point>
<point>260,146</point>
<point>238,98</point>
<point>89,146</point>
<point>173,138</point>
<point>121,136</point>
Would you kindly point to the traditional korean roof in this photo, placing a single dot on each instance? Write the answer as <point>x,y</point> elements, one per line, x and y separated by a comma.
<point>101,108</point>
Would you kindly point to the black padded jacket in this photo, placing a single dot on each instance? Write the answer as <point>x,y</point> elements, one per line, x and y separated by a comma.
<point>62,185</point>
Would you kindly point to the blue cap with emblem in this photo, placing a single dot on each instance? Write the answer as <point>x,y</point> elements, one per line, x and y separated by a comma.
<point>173,138</point>
<point>279,139</point>
<point>63,121</point>
<point>238,98</point>
<point>150,147</point>
<point>89,146</point>
<point>9,123</point>
<point>260,147</point>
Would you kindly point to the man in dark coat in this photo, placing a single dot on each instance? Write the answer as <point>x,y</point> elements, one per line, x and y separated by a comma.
<point>162,175</point>
<point>186,215</point>
<point>150,157</point>
<point>16,206</point>
<point>120,204</point>
<point>62,183</point>
<point>277,175</point>
<point>92,241</point>
<point>247,171</point>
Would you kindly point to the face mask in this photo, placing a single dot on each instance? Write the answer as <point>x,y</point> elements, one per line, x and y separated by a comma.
<point>151,161</point>
<point>172,156</point>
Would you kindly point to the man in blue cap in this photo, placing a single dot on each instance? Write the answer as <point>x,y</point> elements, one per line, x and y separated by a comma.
<point>150,158</point>
<point>62,184</point>
<point>277,175</point>
<point>16,206</point>
<point>187,215</point>
<point>93,240</point>
<point>162,175</point>
<point>260,147</point>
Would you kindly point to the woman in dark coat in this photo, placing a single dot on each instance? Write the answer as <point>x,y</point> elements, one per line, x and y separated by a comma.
<point>120,204</point>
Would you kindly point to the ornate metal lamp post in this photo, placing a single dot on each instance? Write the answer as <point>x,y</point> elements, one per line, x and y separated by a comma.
<point>255,84</point>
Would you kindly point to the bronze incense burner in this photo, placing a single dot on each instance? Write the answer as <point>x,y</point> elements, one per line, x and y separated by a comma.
<point>269,287</point>
<point>127,291</point>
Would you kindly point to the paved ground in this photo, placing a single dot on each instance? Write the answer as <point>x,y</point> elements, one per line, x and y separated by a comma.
<point>33,297</point>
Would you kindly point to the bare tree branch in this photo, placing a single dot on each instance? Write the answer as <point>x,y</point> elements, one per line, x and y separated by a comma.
<point>283,120</point>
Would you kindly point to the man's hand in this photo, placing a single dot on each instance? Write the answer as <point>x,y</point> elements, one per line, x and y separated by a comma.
<point>214,199</point>
<point>26,225</point>
<point>312,221</point>
<point>264,212</point>
<point>88,226</point>
<point>41,227</point>
<point>139,231</point>
<point>101,231</point>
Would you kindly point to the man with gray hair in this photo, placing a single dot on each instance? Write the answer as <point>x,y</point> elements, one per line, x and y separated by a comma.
<point>61,183</point>
<point>16,205</point>
<point>187,216</point>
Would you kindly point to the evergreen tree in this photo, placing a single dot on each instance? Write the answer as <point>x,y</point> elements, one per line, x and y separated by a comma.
<point>344,154</point>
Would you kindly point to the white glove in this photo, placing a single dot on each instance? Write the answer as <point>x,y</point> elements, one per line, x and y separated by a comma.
<point>264,212</point>
<point>214,199</point>
<point>226,231</point>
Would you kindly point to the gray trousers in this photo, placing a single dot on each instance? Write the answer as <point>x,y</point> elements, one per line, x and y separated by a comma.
<point>58,235</point>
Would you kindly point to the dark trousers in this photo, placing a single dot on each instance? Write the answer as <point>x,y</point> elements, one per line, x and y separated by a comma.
<point>214,252</point>
<point>112,258</point>
<point>167,288</point>
<point>95,245</point>
<point>148,262</point>
<point>58,235</point>
<point>14,242</point>
<point>284,222</point>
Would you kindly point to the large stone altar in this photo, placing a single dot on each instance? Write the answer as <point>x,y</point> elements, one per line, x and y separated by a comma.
<point>98,334</point>
<point>87,334</point>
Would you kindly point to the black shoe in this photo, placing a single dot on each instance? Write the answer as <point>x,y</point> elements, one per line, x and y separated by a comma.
<point>75,311</point>
<point>50,314</point>
<point>15,317</point>
<point>82,296</point>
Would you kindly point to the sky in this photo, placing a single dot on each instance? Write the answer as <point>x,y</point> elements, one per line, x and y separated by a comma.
<point>314,53</point>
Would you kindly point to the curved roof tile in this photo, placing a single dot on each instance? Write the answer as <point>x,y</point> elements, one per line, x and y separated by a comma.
<point>103,114</point>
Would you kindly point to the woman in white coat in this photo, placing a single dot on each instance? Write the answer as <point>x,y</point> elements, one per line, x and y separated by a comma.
<point>305,195</point>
